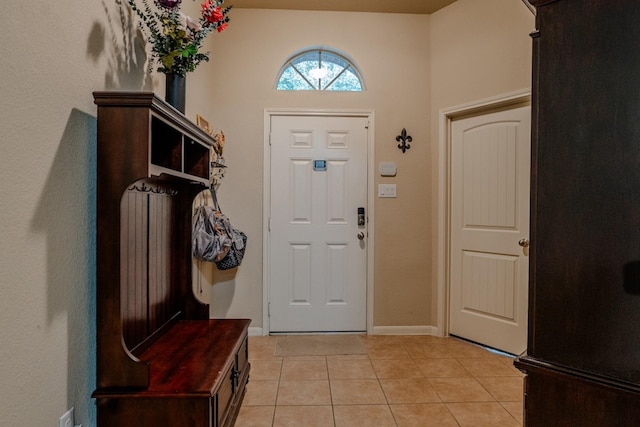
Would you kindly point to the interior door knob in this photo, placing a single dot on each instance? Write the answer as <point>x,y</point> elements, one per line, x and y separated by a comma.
<point>524,242</point>
<point>361,235</point>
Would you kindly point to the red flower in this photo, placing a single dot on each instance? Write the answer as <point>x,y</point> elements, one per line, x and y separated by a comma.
<point>206,6</point>
<point>211,12</point>
<point>217,14</point>
<point>222,27</point>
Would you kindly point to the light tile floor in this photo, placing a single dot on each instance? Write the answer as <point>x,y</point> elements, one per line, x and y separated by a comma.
<point>401,381</point>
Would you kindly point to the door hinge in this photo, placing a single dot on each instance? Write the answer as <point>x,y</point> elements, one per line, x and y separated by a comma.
<point>366,125</point>
<point>269,139</point>
<point>269,224</point>
<point>269,309</point>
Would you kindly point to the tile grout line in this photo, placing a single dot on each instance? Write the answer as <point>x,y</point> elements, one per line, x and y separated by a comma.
<point>333,412</point>
<point>275,403</point>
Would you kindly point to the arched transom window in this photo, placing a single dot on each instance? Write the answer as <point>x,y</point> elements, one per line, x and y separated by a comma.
<point>319,69</point>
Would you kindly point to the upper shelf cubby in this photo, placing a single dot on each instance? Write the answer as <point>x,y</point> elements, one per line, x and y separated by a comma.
<point>176,146</point>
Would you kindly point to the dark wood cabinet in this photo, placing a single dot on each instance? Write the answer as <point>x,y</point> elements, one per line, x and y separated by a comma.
<point>583,356</point>
<point>160,360</point>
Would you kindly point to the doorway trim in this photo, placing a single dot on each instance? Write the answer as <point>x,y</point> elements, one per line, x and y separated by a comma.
<point>446,116</point>
<point>266,202</point>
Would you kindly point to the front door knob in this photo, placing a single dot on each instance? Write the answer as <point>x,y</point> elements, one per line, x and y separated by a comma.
<point>524,242</point>
<point>361,235</point>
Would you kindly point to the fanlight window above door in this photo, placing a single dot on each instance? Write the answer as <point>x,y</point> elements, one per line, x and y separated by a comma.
<point>319,69</point>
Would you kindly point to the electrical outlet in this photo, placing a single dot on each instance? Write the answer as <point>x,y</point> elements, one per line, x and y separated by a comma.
<point>67,419</point>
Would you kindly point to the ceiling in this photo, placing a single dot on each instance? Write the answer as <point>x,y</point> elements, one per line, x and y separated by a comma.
<point>396,6</point>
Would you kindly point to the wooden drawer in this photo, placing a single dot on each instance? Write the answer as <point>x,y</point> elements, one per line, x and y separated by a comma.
<point>138,411</point>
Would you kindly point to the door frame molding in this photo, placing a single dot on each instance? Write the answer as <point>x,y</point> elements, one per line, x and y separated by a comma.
<point>446,116</point>
<point>266,202</point>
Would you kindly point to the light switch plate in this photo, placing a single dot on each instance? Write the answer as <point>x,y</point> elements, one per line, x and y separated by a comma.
<point>387,190</point>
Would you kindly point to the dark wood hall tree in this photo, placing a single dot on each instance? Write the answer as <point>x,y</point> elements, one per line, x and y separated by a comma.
<point>160,360</point>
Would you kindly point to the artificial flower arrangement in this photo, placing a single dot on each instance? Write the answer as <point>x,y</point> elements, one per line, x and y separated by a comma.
<point>218,137</point>
<point>217,159</point>
<point>176,39</point>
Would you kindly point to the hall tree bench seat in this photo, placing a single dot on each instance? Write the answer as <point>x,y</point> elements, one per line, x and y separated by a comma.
<point>199,370</point>
<point>161,362</point>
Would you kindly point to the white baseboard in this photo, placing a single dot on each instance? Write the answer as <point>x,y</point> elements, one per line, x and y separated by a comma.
<point>377,330</point>
<point>405,330</point>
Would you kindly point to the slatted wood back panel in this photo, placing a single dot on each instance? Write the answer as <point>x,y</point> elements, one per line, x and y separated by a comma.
<point>147,300</point>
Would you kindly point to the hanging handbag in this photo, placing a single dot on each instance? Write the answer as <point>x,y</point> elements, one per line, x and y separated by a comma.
<point>213,237</point>
<point>211,240</point>
<point>234,256</point>
<point>236,253</point>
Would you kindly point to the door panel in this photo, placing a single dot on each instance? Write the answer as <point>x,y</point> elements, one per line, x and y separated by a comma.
<point>490,167</point>
<point>317,263</point>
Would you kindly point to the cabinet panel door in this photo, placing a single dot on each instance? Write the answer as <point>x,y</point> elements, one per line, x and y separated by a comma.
<point>225,396</point>
<point>242,358</point>
<point>585,251</point>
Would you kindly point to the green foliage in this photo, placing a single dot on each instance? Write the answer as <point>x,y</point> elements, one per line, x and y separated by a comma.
<point>175,38</point>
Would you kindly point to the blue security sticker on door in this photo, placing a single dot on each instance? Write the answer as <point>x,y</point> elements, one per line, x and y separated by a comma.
<point>319,165</point>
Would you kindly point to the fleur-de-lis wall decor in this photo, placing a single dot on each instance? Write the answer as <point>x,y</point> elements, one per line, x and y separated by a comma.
<point>404,138</point>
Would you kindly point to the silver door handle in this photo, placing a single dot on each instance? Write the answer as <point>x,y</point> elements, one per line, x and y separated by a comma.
<point>523,242</point>
<point>361,235</point>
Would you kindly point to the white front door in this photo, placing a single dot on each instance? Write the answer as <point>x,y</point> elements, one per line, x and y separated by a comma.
<point>317,249</point>
<point>490,175</point>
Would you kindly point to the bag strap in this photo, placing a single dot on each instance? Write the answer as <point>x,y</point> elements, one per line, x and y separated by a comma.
<point>216,205</point>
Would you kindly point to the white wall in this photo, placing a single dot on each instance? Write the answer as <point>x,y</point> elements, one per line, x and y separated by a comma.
<point>54,54</point>
<point>479,50</point>
<point>392,51</point>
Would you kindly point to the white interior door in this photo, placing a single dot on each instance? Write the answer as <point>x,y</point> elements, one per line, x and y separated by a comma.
<point>490,175</point>
<point>317,249</point>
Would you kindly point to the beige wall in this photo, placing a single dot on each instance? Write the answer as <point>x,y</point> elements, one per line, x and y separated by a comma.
<point>55,55</point>
<point>479,50</point>
<point>392,52</point>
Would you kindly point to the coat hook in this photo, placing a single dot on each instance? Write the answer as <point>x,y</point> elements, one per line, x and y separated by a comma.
<point>405,139</point>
